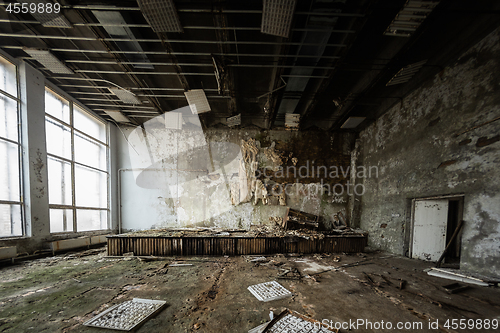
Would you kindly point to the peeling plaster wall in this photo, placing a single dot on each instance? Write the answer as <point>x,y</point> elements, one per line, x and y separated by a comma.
<point>191,197</point>
<point>422,150</point>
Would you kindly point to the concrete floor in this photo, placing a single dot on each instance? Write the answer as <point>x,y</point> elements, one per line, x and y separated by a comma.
<point>57,294</point>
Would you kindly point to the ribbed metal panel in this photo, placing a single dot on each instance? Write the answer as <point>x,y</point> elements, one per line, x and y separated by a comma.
<point>218,246</point>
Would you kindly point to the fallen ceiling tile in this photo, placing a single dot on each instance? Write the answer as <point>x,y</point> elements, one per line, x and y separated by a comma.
<point>269,291</point>
<point>410,17</point>
<point>406,73</point>
<point>127,315</point>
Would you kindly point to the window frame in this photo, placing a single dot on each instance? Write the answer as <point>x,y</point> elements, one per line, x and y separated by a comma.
<point>19,144</point>
<point>73,163</point>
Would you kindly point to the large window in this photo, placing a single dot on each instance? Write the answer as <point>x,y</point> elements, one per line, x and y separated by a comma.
<point>77,159</point>
<point>10,176</point>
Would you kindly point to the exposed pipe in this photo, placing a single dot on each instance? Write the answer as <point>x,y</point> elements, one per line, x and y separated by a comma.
<point>138,73</point>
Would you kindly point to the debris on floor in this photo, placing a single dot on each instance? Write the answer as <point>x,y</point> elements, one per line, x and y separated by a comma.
<point>269,291</point>
<point>461,276</point>
<point>455,288</point>
<point>127,315</point>
<point>295,219</point>
<point>293,322</point>
<point>290,274</point>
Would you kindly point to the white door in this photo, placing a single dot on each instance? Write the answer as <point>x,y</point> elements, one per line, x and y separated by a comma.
<point>429,229</point>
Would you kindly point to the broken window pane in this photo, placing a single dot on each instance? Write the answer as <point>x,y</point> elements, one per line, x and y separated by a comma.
<point>9,171</point>
<point>61,220</point>
<point>59,182</point>
<point>10,220</point>
<point>91,188</point>
<point>58,138</point>
<point>87,219</point>
<point>8,77</point>
<point>89,152</point>
<point>57,106</point>
<point>89,124</point>
<point>8,118</point>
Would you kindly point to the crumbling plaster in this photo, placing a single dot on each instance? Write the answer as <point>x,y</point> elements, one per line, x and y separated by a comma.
<point>204,198</point>
<point>423,148</point>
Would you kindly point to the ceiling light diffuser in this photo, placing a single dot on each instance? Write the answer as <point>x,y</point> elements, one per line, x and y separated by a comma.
<point>54,19</point>
<point>49,61</point>
<point>173,120</point>
<point>161,15</point>
<point>410,17</point>
<point>277,17</point>
<point>125,96</point>
<point>406,73</point>
<point>197,101</point>
<point>292,121</point>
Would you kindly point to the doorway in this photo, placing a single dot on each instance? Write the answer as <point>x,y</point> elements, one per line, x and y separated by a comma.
<point>434,221</point>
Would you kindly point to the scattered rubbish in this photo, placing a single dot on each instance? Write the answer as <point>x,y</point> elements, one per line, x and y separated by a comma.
<point>127,315</point>
<point>77,280</point>
<point>466,277</point>
<point>269,291</point>
<point>336,259</point>
<point>259,259</point>
<point>179,265</point>
<point>293,322</point>
<point>290,274</point>
<point>196,326</point>
<point>259,329</point>
<point>271,315</point>
<point>295,219</point>
<point>222,234</point>
<point>402,284</point>
<point>455,288</point>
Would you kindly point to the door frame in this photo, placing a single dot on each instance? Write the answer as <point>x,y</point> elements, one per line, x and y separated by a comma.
<point>460,197</point>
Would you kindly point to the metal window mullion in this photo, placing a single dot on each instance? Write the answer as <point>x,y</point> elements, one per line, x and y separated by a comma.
<point>17,99</point>
<point>9,141</point>
<point>77,163</point>
<point>91,137</point>
<point>20,153</point>
<point>58,206</point>
<point>9,202</point>
<point>73,193</point>
<point>57,119</point>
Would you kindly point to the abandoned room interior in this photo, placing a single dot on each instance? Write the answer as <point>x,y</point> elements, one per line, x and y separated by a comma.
<point>250,166</point>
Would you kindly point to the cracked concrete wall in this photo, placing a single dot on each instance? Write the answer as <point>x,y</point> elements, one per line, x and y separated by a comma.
<point>197,189</point>
<point>429,146</point>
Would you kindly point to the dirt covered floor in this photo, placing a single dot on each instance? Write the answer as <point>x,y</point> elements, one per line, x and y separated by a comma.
<point>58,294</point>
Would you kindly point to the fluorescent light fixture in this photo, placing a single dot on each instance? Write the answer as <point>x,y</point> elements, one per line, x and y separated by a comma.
<point>173,120</point>
<point>406,73</point>
<point>277,17</point>
<point>161,15</point>
<point>54,19</point>
<point>233,121</point>
<point>125,95</point>
<point>197,101</point>
<point>410,17</point>
<point>292,121</point>
<point>352,122</point>
<point>49,61</point>
<point>117,116</point>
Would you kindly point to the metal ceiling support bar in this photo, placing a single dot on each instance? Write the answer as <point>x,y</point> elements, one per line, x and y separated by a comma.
<point>192,27</point>
<point>153,114</point>
<point>139,73</point>
<point>124,106</point>
<point>176,53</point>
<point>158,96</point>
<point>308,76</point>
<point>89,93</point>
<point>159,40</point>
<point>247,11</point>
<point>104,62</point>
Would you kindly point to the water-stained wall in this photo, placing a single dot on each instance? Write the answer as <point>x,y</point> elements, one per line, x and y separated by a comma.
<point>442,139</point>
<point>194,177</point>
